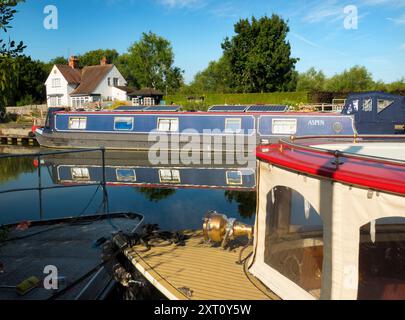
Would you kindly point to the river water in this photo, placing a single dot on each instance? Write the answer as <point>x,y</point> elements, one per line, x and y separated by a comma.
<point>174,196</point>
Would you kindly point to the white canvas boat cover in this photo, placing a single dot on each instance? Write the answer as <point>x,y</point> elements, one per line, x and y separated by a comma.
<point>316,238</point>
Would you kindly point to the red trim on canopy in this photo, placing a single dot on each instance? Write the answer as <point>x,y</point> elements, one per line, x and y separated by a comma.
<point>367,172</point>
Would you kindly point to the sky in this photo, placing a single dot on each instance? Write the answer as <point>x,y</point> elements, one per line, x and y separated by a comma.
<point>323,34</point>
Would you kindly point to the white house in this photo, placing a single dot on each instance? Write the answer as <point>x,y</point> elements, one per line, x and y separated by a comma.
<point>69,86</point>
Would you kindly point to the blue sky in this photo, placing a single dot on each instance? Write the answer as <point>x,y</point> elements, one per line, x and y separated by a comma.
<point>196,29</point>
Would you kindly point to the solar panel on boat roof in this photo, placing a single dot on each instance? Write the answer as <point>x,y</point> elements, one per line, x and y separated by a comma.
<point>267,108</point>
<point>163,108</point>
<point>227,109</point>
<point>130,108</point>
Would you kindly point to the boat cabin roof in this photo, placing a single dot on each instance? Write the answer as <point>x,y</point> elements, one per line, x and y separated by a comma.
<point>370,162</point>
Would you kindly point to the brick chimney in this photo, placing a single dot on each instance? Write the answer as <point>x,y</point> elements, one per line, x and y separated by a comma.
<point>103,61</point>
<point>74,62</point>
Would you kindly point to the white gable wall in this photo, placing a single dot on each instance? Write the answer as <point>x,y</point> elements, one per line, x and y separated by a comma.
<point>107,92</point>
<point>118,94</point>
<point>64,89</point>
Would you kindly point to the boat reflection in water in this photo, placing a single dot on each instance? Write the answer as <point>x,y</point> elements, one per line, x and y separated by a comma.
<point>138,170</point>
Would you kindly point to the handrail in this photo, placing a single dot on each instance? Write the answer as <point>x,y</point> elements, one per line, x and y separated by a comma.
<point>40,188</point>
<point>337,153</point>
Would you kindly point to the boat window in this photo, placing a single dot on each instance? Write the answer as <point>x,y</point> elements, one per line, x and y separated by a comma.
<point>382,260</point>
<point>284,126</point>
<point>234,178</point>
<point>125,175</point>
<point>77,123</point>
<point>233,125</point>
<point>169,176</point>
<point>294,239</point>
<point>168,124</point>
<point>383,104</point>
<point>367,105</point>
<point>123,123</point>
<point>353,106</point>
<point>80,174</point>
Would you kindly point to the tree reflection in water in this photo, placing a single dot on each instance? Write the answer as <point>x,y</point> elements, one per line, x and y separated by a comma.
<point>156,194</point>
<point>246,202</point>
<point>11,168</point>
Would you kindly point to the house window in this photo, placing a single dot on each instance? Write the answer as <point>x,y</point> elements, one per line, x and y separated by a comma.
<point>77,123</point>
<point>116,83</point>
<point>125,175</point>
<point>80,174</point>
<point>382,104</point>
<point>109,82</point>
<point>148,101</point>
<point>123,123</point>
<point>234,177</point>
<point>169,176</point>
<point>56,83</point>
<point>55,101</point>
<point>367,105</point>
<point>233,125</point>
<point>168,124</point>
<point>79,102</point>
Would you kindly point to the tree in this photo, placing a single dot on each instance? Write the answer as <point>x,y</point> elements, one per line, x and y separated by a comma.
<point>311,80</point>
<point>7,12</point>
<point>30,84</point>
<point>8,50</point>
<point>94,57</point>
<point>216,78</point>
<point>149,63</point>
<point>260,56</point>
<point>357,78</point>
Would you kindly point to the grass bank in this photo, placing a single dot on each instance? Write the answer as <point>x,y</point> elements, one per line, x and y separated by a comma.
<point>287,98</point>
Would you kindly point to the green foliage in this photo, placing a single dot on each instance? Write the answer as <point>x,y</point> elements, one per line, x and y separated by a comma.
<point>24,83</point>
<point>357,78</point>
<point>290,98</point>
<point>260,56</point>
<point>149,63</point>
<point>92,58</point>
<point>215,79</point>
<point>8,49</point>
<point>7,12</point>
<point>311,80</point>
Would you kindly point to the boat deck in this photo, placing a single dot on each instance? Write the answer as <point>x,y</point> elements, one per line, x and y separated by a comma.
<point>68,245</point>
<point>197,271</point>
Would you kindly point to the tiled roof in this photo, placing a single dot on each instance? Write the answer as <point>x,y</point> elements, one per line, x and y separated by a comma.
<point>72,76</point>
<point>90,78</point>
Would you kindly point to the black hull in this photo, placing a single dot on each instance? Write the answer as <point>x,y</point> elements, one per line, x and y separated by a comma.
<point>135,142</point>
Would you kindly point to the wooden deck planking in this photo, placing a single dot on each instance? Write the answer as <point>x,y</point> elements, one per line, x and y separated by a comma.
<point>211,273</point>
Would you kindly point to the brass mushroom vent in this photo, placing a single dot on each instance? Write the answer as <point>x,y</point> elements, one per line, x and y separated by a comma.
<point>219,228</point>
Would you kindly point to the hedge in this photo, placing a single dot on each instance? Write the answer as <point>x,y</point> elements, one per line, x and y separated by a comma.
<point>288,98</point>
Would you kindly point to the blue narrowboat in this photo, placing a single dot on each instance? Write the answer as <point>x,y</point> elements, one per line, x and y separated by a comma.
<point>142,128</point>
<point>135,170</point>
